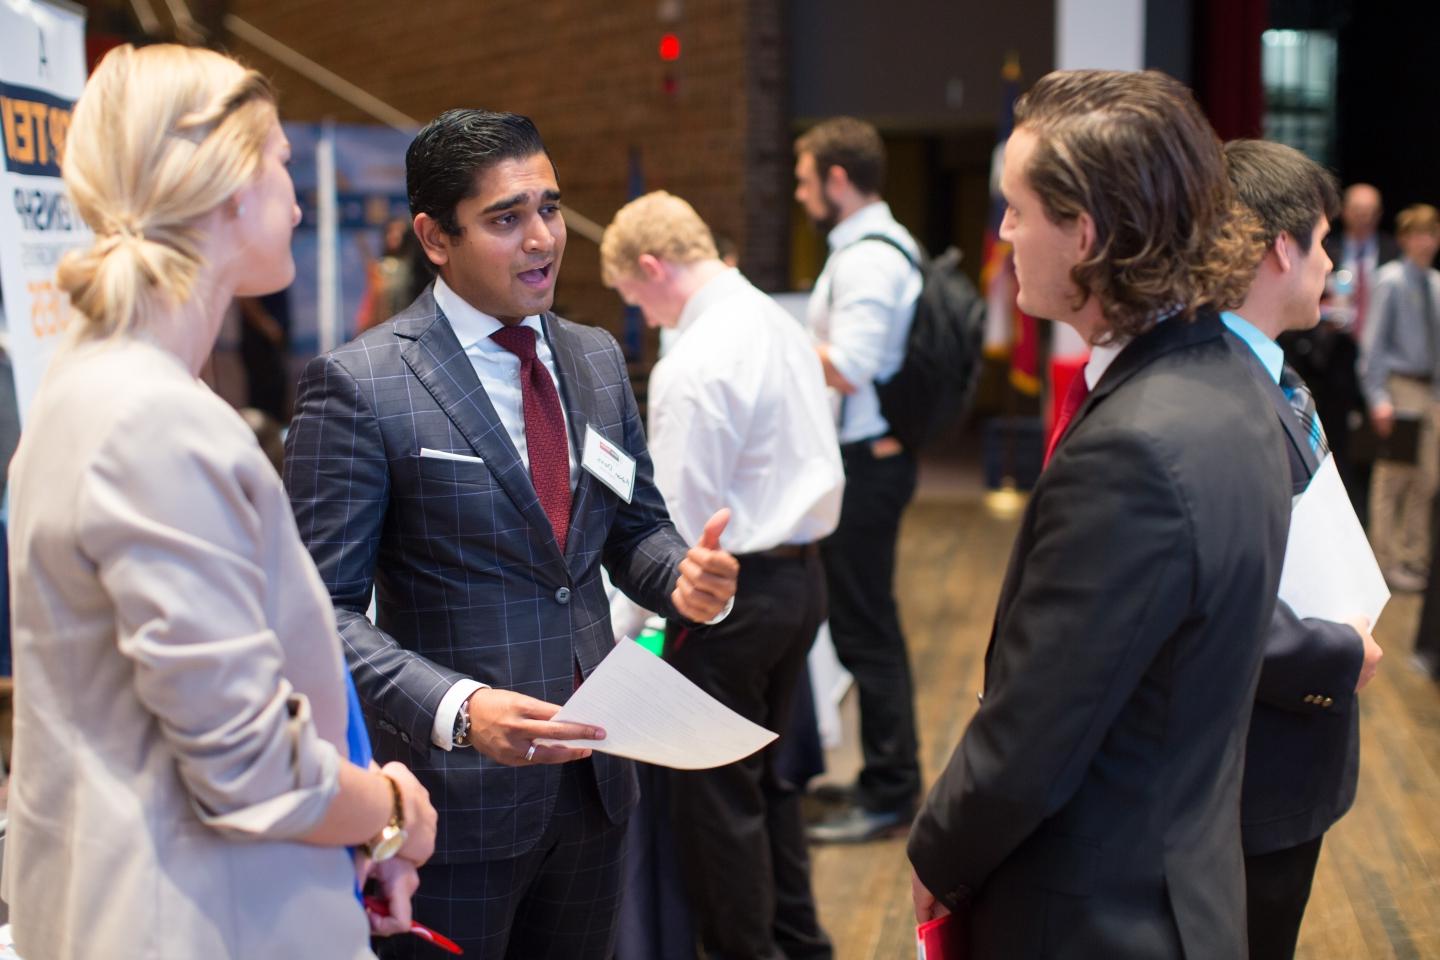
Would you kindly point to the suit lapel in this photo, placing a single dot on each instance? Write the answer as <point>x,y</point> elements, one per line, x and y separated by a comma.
<point>435,356</point>
<point>577,393</point>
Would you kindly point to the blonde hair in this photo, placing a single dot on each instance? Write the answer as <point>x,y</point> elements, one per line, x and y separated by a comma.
<point>1417,218</point>
<point>660,224</point>
<point>160,137</point>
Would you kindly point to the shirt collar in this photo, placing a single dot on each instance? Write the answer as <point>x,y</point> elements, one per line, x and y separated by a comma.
<point>1100,359</point>
<point>1269,352</point>
<point>473,326</point>
<point>872,218</point>
<point>1353,249</point>
<point>715,289</point>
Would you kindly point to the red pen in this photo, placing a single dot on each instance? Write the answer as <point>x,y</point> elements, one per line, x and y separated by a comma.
<point>380,908</point>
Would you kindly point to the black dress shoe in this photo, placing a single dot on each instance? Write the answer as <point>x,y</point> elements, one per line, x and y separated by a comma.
<point>834,794</point>
<point>858,825</point>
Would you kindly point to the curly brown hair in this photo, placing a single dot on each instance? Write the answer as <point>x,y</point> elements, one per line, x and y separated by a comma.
<point>1134,152</point>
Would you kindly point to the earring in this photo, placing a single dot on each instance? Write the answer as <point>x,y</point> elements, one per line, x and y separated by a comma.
<point>239,209</point>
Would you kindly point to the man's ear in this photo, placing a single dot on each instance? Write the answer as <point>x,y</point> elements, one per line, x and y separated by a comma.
<point>1085,235</point>
<point>1285,251</point>
<point>433,239</point>
<point>651,267</point>
<point>835,182</point>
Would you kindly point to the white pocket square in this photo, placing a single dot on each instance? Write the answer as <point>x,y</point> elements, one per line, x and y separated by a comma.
<point>428,454</point>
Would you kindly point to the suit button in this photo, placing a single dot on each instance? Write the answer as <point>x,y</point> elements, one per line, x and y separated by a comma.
<point>1309,698</point>
<point>562,595</point>
<point>1328,701</point>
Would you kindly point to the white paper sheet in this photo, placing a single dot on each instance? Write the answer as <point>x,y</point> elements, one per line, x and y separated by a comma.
<point>650,712</point>
<point>1330,572</point>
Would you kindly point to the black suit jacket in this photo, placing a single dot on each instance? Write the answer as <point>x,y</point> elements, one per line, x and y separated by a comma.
<point>468,576</point>
<point>1302,757</point>
<point>1091,808</point>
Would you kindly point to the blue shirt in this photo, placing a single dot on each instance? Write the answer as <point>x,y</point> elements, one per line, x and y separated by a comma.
<point>1269,352</point>
<point>357,738</point>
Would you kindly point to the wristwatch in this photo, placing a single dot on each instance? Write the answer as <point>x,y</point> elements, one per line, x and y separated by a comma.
<point>461,735</point>
<point>392,836</point>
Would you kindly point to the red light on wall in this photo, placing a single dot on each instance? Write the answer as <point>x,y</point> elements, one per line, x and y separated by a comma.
<point>669,47</point>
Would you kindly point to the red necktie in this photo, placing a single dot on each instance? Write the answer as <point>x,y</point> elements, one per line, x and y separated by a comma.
<point>1362,297</point>
<point>545,437</point>
<point>1074,400</point>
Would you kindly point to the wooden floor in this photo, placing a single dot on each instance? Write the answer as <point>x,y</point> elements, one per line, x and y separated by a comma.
<point>1377,890</point>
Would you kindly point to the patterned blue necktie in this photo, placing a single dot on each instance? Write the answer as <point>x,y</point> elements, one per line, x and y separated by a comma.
<point>1303,403</point>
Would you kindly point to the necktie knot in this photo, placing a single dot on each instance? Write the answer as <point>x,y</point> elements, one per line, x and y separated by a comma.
<point>519,340</point>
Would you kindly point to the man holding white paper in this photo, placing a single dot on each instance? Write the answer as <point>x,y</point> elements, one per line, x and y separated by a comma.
<point>739,417</point>
<point>477,460</point>
<point>1302,755</point>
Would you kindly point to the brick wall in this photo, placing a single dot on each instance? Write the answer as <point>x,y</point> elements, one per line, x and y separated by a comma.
<point>590,75</point>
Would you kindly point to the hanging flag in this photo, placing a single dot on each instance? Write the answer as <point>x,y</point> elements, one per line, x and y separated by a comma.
<point>634,321</point>
<point>1008,331</point>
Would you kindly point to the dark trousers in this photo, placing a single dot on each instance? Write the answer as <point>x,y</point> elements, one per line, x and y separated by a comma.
<point>865,624</point>
<point>1277,887</point>
<point>559,900</point>
<point>739,831</point>
<point>1427,637</point>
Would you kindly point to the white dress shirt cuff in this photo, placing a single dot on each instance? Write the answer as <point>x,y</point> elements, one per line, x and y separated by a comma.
<point>854,373</point>
<point>443,733</point>
<point>729,605</point>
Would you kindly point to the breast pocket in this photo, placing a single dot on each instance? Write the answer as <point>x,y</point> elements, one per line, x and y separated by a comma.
<point>464,472</point>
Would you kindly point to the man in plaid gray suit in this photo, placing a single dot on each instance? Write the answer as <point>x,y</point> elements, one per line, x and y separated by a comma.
<point>442,459</point>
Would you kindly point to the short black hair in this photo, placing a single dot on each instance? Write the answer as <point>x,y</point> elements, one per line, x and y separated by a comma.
<point>850,144</point>
<point>442,162</point>
<point>1286,190</point>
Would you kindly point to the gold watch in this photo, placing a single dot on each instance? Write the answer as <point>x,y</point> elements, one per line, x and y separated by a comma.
<point>392,836</point>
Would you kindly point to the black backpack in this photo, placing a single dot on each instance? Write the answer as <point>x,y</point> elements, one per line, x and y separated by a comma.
<point>936,380</point>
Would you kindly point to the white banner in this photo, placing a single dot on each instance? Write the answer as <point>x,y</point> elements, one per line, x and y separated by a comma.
<point>42,70</point>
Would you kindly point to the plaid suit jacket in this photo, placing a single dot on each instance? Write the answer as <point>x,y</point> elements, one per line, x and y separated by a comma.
<point>468,578</point>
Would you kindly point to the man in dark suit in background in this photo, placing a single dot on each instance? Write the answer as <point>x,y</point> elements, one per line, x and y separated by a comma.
<point>1326,356</point>
<point>442,457</point>
<point>1302,761</point>
<point>1091,808</point>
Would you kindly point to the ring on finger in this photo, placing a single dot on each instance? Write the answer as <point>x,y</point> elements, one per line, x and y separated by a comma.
<point>530,754</point>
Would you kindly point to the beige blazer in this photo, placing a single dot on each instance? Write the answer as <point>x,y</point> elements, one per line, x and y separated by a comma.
<point>180,707</point>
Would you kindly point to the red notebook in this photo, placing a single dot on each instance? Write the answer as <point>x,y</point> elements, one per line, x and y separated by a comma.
<point>941,939</point>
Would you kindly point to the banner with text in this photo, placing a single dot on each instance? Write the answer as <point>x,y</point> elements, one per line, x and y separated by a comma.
<point>42,70</point>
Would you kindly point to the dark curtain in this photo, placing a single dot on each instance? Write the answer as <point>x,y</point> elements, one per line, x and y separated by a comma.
<point>1227,65</point>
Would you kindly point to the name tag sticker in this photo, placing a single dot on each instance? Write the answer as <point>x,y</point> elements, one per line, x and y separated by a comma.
<point>608,463</point>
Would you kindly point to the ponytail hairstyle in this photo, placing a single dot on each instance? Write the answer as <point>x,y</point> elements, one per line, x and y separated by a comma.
<point>161,136</point>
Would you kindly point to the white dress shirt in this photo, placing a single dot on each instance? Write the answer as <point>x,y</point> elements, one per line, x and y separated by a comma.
<point>861,308</point>
<point>1100,359</point>
<point>739,418</point>
<point>499,373</point>
<point>499,369</point>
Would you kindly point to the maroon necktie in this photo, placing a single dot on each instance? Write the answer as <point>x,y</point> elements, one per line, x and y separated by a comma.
<point>545,437</point>
<point>1074,400</point>
<point>1362,298</point>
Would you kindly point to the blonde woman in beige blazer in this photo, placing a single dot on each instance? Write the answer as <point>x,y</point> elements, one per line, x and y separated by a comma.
<point>181,787</point>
